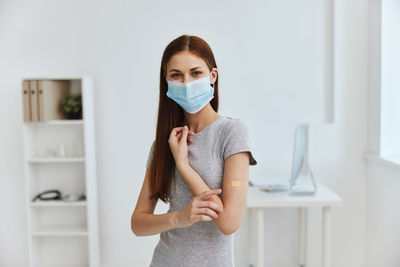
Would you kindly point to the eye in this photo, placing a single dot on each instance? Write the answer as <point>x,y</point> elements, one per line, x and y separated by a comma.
<point>196,72</point>
<point>174,75</point>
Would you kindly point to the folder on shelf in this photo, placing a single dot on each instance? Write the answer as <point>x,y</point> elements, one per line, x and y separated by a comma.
<point>34,101</point>
<point>42,99</point>
<point>51,92</point>
<point>26,94</point>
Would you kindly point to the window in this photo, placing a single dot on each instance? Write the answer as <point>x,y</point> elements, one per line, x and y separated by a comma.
<point>390,81</point>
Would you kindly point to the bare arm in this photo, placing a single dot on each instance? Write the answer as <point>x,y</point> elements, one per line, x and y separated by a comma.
<point>143,221</point>
<point>234,191</point>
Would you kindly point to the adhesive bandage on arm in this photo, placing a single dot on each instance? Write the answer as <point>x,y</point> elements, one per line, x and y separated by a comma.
<point>234,183</point>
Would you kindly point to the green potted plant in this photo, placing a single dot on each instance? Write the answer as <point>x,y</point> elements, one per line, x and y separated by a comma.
<point>71,106</point>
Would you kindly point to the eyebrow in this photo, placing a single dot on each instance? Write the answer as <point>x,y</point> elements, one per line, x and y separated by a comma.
<point>190,69</point>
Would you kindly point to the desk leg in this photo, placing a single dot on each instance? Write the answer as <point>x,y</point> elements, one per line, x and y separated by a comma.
<point>326,237</point>
<point>302,236</point>
<point>260,237</point>
<point>250,241</point>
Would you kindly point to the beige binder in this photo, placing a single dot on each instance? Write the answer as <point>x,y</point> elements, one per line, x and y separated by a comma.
<point>51,92</point>
<point>26,96</point>
<point>34,101</point>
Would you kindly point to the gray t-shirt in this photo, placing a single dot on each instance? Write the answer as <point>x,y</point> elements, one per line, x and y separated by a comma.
<point>202,243</point>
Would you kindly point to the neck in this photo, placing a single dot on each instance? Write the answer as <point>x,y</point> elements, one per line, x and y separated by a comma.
<point>198,121</point>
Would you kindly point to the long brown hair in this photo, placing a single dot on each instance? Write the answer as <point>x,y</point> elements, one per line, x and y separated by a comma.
<point>171,115</point>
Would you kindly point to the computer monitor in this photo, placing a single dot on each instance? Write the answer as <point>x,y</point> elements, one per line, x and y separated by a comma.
<point>299,150</point>
<point>298,159</point>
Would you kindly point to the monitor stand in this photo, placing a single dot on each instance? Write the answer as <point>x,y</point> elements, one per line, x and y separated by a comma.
<point>305,190</point>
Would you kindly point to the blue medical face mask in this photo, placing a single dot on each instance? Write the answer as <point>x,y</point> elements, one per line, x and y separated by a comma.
<point>191,96</point>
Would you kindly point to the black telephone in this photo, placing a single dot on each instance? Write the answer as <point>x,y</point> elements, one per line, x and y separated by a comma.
<point>48,195</point>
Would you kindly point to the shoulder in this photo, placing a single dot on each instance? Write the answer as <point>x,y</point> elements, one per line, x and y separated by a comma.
<point>234,125</point>
<point>235,138</point>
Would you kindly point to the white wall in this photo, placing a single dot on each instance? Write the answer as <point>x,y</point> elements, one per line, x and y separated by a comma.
<point>383,235</point>
<point>383,181</point>
<point>275,47</point>
<point>337,149</point>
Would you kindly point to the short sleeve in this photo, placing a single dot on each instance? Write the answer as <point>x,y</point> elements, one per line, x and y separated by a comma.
<point>150,156</point>
<point>236,139</point>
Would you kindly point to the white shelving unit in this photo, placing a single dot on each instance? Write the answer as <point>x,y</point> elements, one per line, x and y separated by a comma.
<point>63,233</point>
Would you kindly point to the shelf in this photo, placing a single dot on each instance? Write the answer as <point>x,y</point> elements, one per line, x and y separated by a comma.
<point>55,122</point>
<point>56,159</point>
<point>59,153</point>
<point>57,203</point>
<point>54,251</point>
<point>60,230</point>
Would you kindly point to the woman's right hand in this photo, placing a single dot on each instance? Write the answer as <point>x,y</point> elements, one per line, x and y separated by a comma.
<point>199,209</point>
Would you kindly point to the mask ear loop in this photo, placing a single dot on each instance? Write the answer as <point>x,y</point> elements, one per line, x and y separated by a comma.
<point>210,75</point>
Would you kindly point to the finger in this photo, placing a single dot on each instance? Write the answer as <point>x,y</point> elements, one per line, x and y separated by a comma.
<point>179,137</point>
<point>209,193</point>
<point>184,133</point>
<point>209,204</point>
<point>176,130</point>
<point>179,129</point>
<point>176,133</point>
<point>202,218</point>
<point>206,211</point>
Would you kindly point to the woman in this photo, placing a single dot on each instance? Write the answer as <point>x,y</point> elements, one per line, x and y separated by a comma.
<point>199,162</point>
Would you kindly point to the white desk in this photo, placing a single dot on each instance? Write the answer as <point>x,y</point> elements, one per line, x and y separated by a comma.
<point>257,200</point>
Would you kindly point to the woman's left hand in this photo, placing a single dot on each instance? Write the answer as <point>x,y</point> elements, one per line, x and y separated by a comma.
<point>178,143</point>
